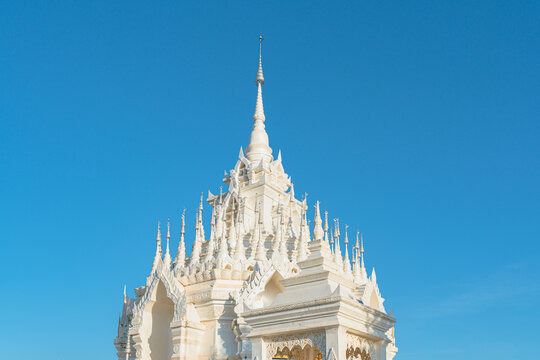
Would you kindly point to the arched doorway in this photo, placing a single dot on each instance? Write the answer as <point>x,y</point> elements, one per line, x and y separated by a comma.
<point>158,315</point>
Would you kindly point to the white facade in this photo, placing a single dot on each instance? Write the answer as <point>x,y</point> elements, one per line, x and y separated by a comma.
<point>262,284</point>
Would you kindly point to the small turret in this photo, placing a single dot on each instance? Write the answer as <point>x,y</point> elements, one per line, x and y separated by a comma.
<point>277,234</point>
<point>167,259</point>
<point>239,251</point>
<point>357,275</point>
<point>283,251</point>
<point>346,261</point>
<point>318,232</point>
<point>211,244</point>
<point>232,234</point>
<point>332,246</point>
<point>159,251</point>
<point>337,254</point>
<point>201,226</point>
<point>260,252</point>
<point>180,258</point>
<point>362,266</point>
<point>196,249</point>
<point>301,253</point>
<point>326,228</point>
<point>223,249</point>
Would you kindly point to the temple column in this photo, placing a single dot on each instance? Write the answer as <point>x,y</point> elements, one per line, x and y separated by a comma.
<point>137,345</point>
<point>178,333</point>
<point>380,348</point>
<point>258,349</point>
<point>185,340</point>
<point>336,341</point>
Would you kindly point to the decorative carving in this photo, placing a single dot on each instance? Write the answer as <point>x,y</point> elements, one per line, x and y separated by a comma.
<point>180,308</point>
<point>359,348</point>
<point>174,289</point>
<point>259,278</point>
<point>286,344</point>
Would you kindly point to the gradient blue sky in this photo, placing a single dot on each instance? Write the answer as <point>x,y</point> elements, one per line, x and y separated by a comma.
<point>415,122</point>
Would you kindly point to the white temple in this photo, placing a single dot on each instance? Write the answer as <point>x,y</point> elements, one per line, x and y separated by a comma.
<point>261,283</point>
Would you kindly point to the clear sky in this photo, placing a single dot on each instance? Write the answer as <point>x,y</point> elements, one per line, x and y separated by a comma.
<point>415,122</point>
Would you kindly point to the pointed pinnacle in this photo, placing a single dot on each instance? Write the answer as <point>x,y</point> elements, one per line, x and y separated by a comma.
<point>260,77</point>
<point>182,231</point>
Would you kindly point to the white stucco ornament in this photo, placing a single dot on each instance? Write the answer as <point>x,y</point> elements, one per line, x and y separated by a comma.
<point>262,284</point>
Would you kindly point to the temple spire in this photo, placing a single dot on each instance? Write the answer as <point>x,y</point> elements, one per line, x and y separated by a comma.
<point>332,247</point>
<point>180,258</point>
<point>283,240</point>
<point>258,148</point>
<point>260,251</point>
<point>337,250</point>
<point>197,243</point>
<point>159,251</point>
<point>239,251</point>
<point>326,228</point>
<point>356,266</point>
<point>277,234</point>
<point>210,245</point>
<point>232,235</point>
<point>346,261</point>
<point>362,266</point>
<point>318,232</point>
<point>201,226</point>
<point>302,239</point>
<point>167,259</point>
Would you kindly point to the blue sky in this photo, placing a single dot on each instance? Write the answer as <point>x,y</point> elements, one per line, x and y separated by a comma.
<point>415,122</point>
